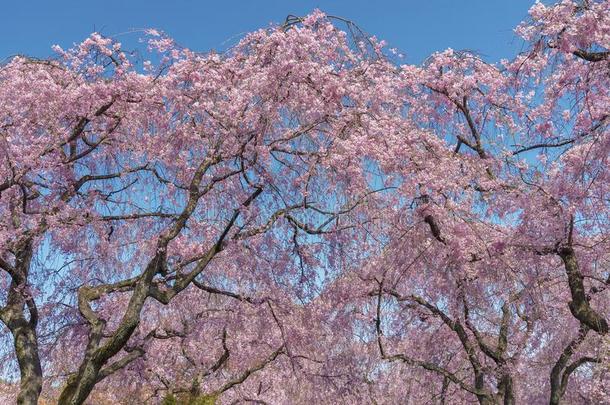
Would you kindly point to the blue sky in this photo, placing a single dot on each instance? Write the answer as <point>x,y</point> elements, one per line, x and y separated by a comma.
<point>416,27</point>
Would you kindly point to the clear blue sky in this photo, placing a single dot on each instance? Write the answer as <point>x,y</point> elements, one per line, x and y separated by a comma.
<point>415,27</point>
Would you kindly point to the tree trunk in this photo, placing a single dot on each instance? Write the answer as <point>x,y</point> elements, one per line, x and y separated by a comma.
<point>13,315</point>
<point>579,306</point>
<point>26,349</point>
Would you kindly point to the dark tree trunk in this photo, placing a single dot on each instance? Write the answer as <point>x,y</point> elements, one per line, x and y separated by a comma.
<point>23,328</point>
<point>579,306</point>
<point>26,348</point>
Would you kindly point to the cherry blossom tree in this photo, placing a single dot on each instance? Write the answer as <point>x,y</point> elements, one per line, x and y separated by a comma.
<point>141,183</point>
<point>303,219</point>
<point>504,266</point>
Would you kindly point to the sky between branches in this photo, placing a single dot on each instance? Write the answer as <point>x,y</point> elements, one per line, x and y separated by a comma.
<point>415,27</point>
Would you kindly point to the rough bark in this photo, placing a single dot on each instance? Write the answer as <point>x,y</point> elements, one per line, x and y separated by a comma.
<point>20,315</point>
<point>580,306</point>
<point>557,372</point>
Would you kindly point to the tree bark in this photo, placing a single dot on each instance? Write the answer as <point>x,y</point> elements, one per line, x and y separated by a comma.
<point>26,348</point>
<point>23,328</point>
<point>579,306</point>
<point>557,390</point>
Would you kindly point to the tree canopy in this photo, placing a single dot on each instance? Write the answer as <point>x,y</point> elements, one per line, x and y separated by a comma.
<point>304,219</point>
